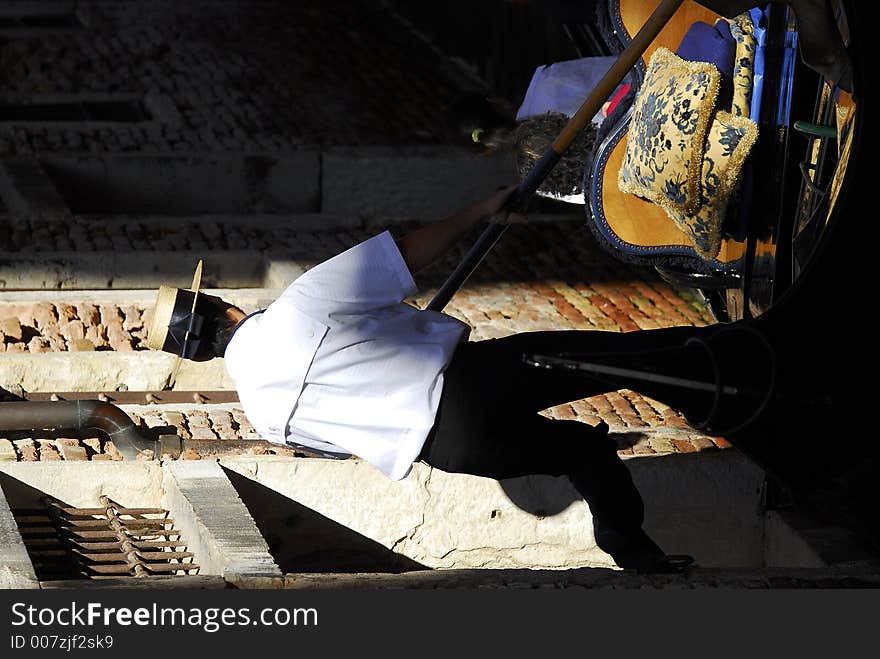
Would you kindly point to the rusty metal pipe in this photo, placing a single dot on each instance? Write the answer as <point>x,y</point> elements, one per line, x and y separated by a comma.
<point>77,415</point>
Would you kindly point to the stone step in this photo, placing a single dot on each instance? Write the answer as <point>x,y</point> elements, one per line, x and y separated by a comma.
<point>144,370</point>
<point>339,182</point>
<point>97,252</point>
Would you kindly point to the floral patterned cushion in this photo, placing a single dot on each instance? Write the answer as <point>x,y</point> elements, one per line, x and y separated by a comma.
<point>667,132</point>
<point>730,140</point>
<point>743,31</point>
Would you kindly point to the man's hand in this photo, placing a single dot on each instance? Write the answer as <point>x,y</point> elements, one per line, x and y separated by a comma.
<point>421,247</point>
<point>495,209</point>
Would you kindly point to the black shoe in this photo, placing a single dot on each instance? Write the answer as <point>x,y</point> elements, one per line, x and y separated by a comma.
<point>668,564</point>
<point>636,551</point>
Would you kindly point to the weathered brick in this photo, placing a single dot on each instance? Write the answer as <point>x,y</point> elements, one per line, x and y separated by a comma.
<point>123,345</point>
<point>70,449</point>
<point>684,446</point>
<point>44,315</point>
<point>220,417</point>
<point>153,419</point>
<point>600,404</point>
<point>675,421</point>
<point>89,314</point>
<point>175,419</point>
<point>145,456</point>
<point>56,343</point>
<point>97,334</point>
<point>92,444</point>
<point>27,449</point>
<point>720,442</point>
<point>702,443</point>
<point>48,451</point>
<point>111,450</point>
<point>73,330</point>
<point>11,327</point>
<point>198,420</point>
<point>133,318</point>
<point>7,451</point>
<point>66,313</point>
<point>202,433</point>
<point>661,445</point>
<point>38,344</point>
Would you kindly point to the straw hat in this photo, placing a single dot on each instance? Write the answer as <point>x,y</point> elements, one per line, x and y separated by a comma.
<point>176,325</point>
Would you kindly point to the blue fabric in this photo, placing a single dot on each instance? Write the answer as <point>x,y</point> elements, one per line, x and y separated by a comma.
<point>736,225</point>
<point>714,44</point>
<point>759,19</point>
<point>563,86</point>
<point>707,43</point>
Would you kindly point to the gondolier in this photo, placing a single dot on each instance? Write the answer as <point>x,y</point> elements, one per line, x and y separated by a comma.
<point>341,365</point>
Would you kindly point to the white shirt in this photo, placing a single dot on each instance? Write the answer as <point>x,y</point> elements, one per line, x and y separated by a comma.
<point>340,364</point>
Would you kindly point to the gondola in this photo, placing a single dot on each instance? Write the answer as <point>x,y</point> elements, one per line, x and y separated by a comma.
<point>789,291</point>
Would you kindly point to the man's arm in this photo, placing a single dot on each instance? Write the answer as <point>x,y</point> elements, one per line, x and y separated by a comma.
<point>423,246</point>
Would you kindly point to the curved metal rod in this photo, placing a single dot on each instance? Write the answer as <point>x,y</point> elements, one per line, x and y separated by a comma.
<point>77,415</point>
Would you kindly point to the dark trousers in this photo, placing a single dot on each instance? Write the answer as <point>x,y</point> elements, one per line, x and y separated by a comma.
<point>488,422</point>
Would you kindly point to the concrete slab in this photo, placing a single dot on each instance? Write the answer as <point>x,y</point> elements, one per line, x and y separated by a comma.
<point>28,191</point>
<point>80,484</point>
<point>707,506</point>
<point>208,511</point>
<point>792,539</point>
<point>246,298</point>
<point>128,270</point>
<point>107,370</point>
<point>186,185</point>
<point>16,569</point>
<point>434,519</point>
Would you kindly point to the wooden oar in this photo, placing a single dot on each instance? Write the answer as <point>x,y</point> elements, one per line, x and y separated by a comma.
<point>524,191</point>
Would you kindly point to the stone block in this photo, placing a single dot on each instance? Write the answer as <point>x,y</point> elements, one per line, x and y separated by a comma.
<point>202,433</point>
<point>133,319</point>
<point>97,334</point>
<point>111,450</point>
<point>93,444</point>
<point>70,449</point>
<point>89,314</point>
<point>11,327</point>
<point>66,313</point>
<point>38,344</point>
<point>7,451</point>
<point>27,450</point>
<point>48,450</point>
<point>44,315</point>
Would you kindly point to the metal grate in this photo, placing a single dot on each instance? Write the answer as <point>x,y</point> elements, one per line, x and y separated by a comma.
<point>106,542</point>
